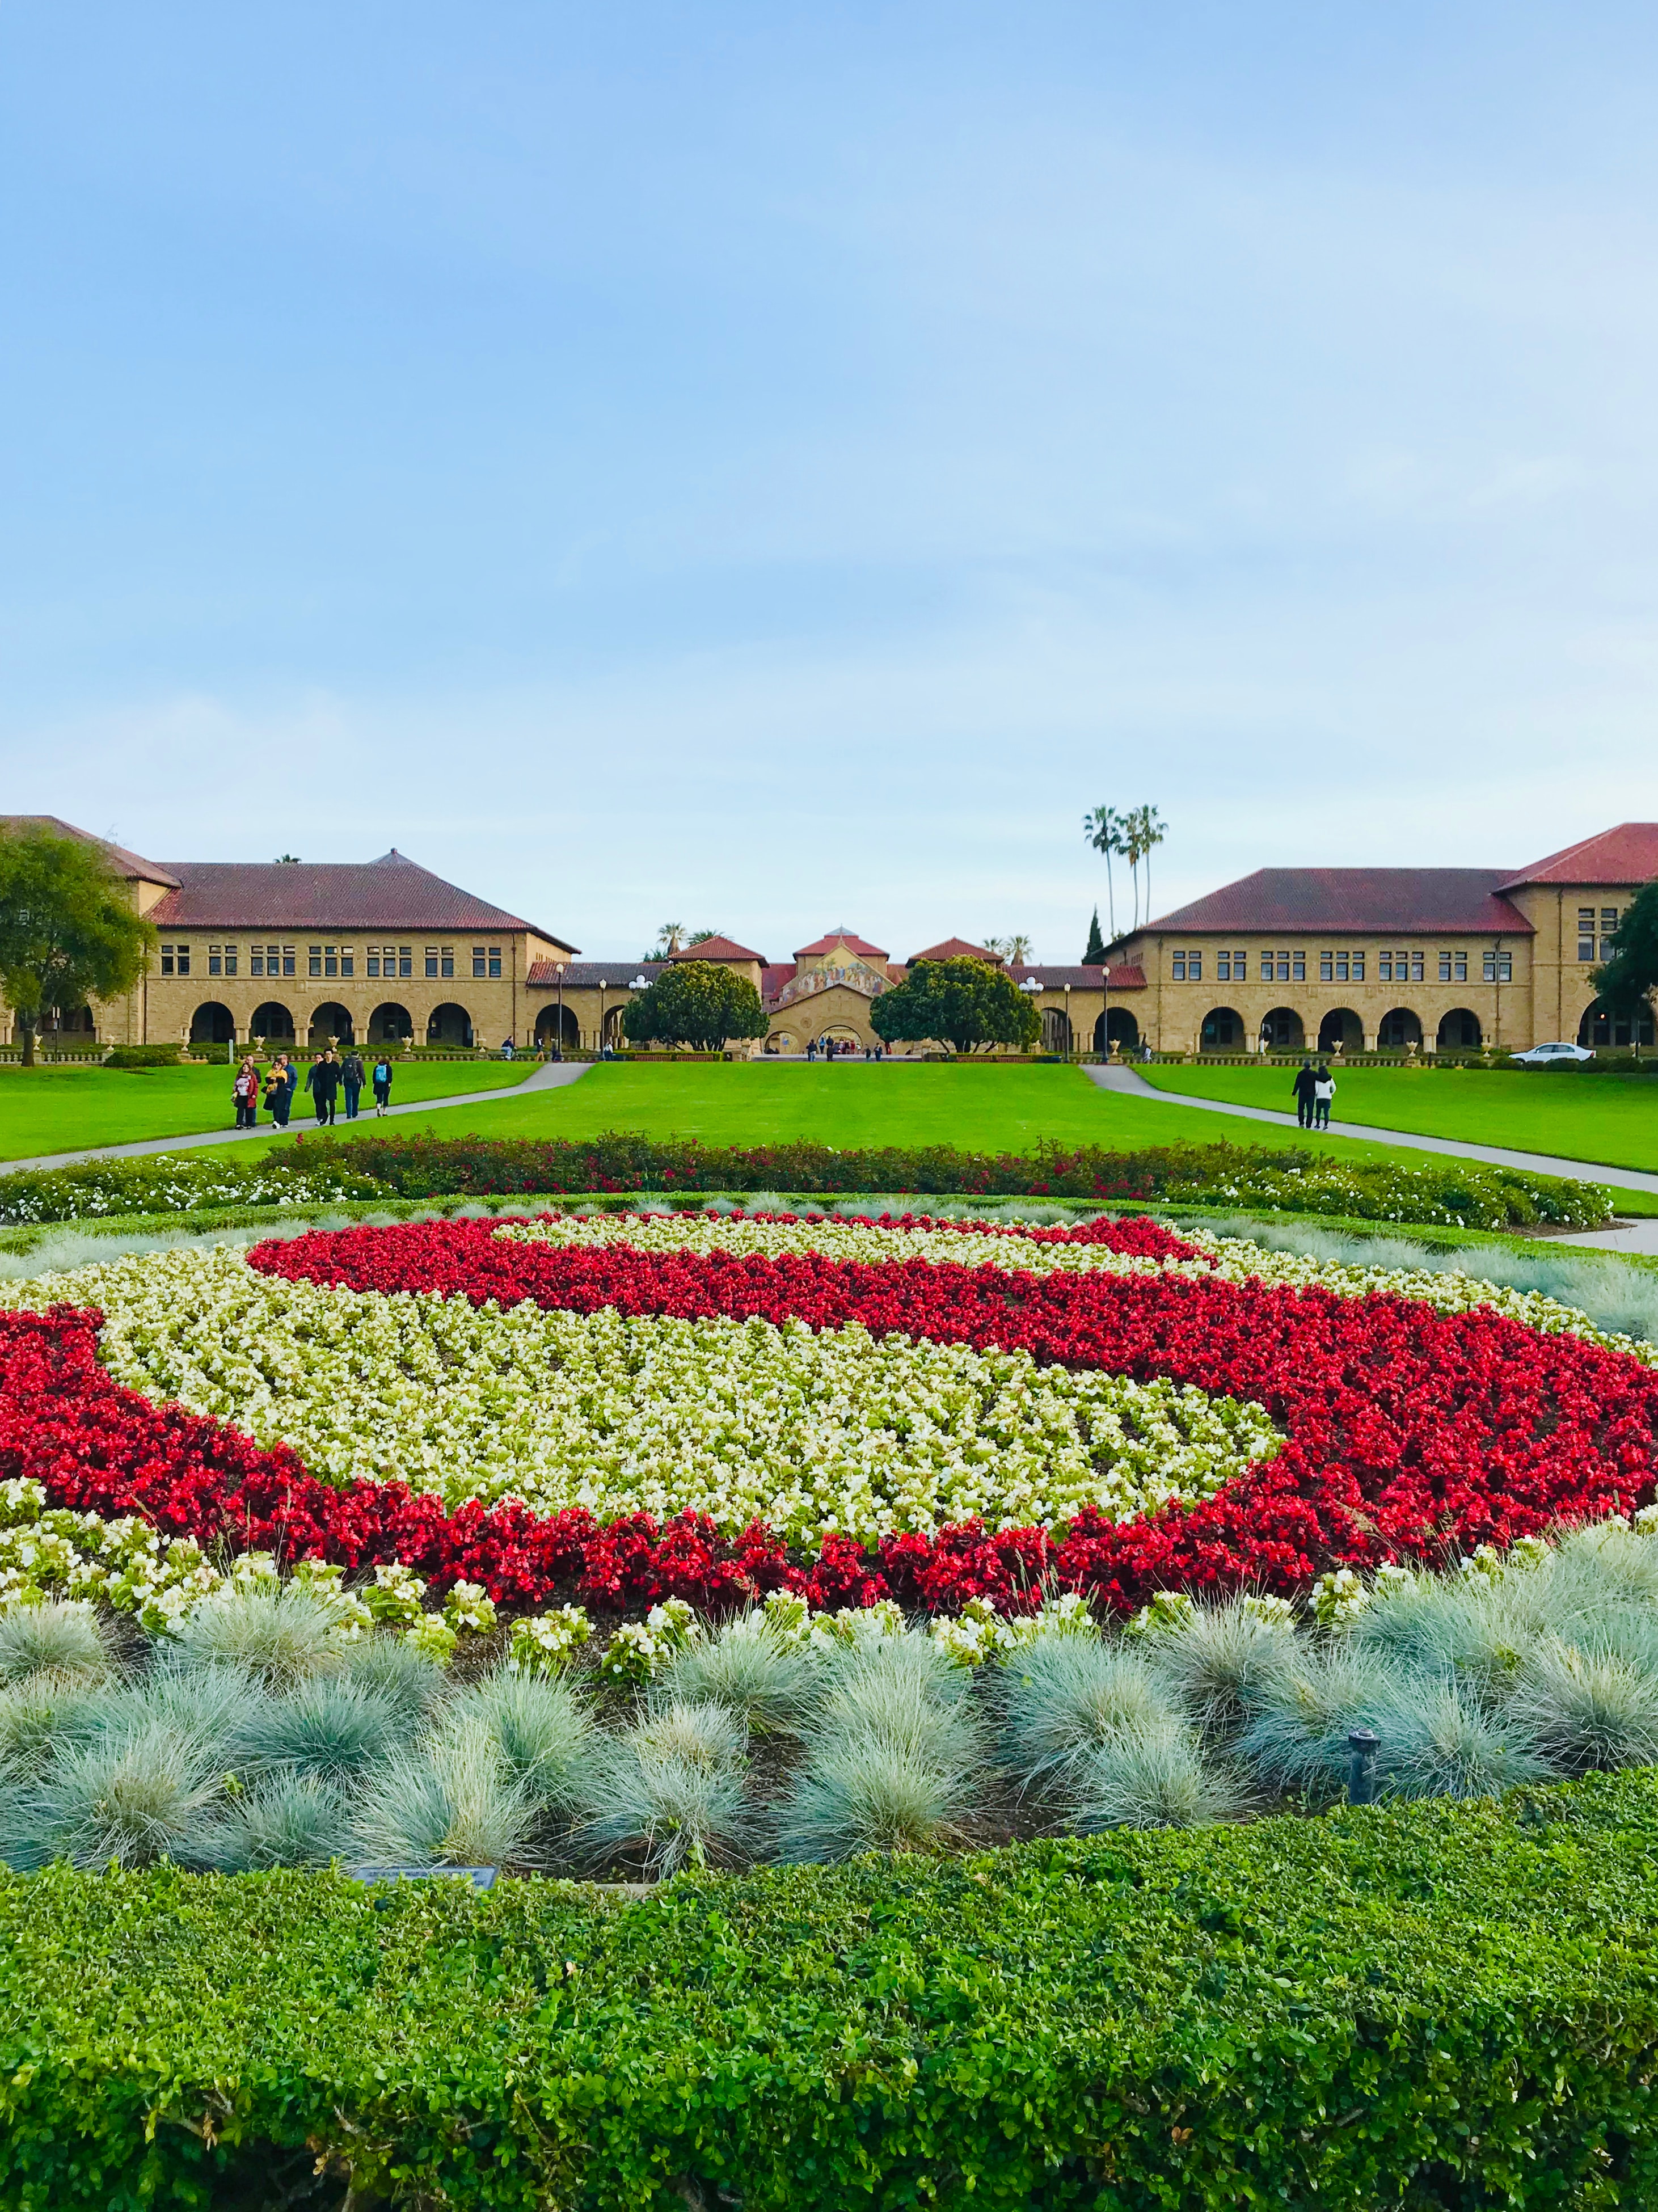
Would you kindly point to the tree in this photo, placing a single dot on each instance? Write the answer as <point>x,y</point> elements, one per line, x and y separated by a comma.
<point>669,938</point>
<point>1627,980</point>
<point>1094,956</point>
<point>1015,949</point>
<point>963,1003</point>
<point>1103,829</point>
<point>67,931</point>
<point>695,1002</point>
<point>1144,832</point>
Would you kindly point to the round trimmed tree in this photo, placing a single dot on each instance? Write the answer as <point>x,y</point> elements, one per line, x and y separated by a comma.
<point>695,1002</point>
<point>962,1003</point>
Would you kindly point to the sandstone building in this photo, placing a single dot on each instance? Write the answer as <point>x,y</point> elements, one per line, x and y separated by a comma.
<point>1287,959</point>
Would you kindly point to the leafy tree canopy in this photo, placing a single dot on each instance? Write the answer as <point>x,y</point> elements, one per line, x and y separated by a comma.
<point>1630,977</point>
<point>695,1002</point>
<point>1094,956</point>
<point>965,1003</point>
<point>67,931</point>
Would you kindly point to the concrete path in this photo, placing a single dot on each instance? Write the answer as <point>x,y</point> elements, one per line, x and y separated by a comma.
<point>1132,1084</point>
<point>552,1075</point>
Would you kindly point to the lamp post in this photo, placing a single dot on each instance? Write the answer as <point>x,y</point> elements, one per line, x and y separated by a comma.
<point>558,969</point>
<point>601,1014</point>
<point>1034,988</point>
<point>1105,1009</point>
<point>641,983</point>
<point>1070,1034</point>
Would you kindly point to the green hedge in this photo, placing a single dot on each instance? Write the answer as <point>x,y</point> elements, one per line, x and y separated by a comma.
<point>313,1169</point>
<point>1428,2005</point>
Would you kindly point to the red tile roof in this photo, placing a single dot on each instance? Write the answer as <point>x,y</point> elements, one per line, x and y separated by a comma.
<point>588,975</point>
<point>1398,901</point>
<point>390,893</point>
<point>1627,855</point>
<point>777,973</point>
<point>1123,978</point>
<point>130,864</point>
<point>717,948</point>
<point>957,948</point>
<point>861,945</point>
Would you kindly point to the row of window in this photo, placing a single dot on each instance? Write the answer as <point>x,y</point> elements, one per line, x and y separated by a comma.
<point>1587,917</point>
<point>1402,967</point>
<point>378,960</point>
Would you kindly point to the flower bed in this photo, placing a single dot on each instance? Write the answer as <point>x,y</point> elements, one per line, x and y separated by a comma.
<point>1085,1420</point>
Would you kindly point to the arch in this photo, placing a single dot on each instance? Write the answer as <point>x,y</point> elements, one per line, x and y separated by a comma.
<point>1120,1028</point>
<point>1341,1030</point>
<point>1399,1030</point>
<point>1056,1029</point>
<point>613,1034</point>
<point>273,1022</point>
<point>390,1024</point>
<point>1604,1031</point>
<point>1460,1031</point>
<point>548,1029</point>
<point>212,1023</point>
<point>1222,1030</point>
<point>1281,1030</point>
<point>67,1021</point>
<point>331,1025</point>
<point>449,1025</point>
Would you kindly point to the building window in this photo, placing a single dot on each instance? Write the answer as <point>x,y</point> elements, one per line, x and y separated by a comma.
<point>1336,967</point>
<point>1586,932</point>
<point>486,962</point>
<point>1359,967</point>
<point>1453,968</point>
<point>175,960</point>
<point>447,961</point>
<point>1608,930</point>
<point>1223,967</point>
<point>331,960</point>
<point>316,960</point>
<point>348,961</point>
<point>215,960</point>
<point>432,960</point>
<point>405,960</point>
<point>1499,967</point>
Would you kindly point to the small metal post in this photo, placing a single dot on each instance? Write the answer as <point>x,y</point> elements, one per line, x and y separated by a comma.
<point>1361,1746</point>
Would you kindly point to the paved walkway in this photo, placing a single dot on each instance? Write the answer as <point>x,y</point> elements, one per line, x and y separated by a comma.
<point>550,1075</point>
<point>1638,1237</point>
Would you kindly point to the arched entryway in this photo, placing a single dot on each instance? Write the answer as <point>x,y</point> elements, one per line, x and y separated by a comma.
<point>213,1023</point>
<point>272,1022</point>
<point>1118,1027</point>
<point>1222,1031</point>
<point>1460,1031</point>
<point>73,1021</point>
<point>331,1025</point>
<point>450,1027</point>
<point>1400,1030</point>
<point>1602,1030</point>
<point>556,1024</point>
<point>391,1024</point>
<point>1281,1030</point>
<point>1056,1029</point>
<point>1341,1030</point>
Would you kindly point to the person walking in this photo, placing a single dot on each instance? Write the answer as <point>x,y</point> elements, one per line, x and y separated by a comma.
<point>351,1082</point>
<point>1324,1091</point>
<point>245,1092</point>
<point>1306,1083</point>
<point>507,1047</point>
<point>279,1090</point>
<point>322,1081</point>
<point>382,1072</point>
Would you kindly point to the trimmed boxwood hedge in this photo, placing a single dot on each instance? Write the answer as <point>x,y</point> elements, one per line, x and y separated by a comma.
<point>1436,2005</point>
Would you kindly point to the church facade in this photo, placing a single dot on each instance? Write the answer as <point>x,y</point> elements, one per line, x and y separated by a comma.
<point>384,953</point>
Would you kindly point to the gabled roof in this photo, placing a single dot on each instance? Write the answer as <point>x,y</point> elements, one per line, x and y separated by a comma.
<point>776,974</point>
<point>1627,855</point>
<point>132,866</point>
<point>390,893</point>
<point>717,948</point>
<point>1400,902</point>
<point>957,948</point>
<point>861,945</point>
<point>588,975</point>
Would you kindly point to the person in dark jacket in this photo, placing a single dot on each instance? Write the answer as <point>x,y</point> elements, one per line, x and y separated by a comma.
<point>1306,1088</point>
<point>351,1082</point>
<point>279,1090</point>
<point>382,1084</point>
<point>322,1081</point>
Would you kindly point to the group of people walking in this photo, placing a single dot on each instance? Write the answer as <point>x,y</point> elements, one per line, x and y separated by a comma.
<point>842,1049</point>
<point>1315,1089</point>
<point>325,1079</point>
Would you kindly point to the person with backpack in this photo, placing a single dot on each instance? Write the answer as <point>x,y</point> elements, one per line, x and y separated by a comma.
<point>351,1082</point>
<point>1305,1085</point>
<point>382,1076</point>
<point>322,1081</point>
<point>1324,1091</point>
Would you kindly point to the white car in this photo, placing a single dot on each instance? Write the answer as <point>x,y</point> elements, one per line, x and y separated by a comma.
<point>1551,1055</point>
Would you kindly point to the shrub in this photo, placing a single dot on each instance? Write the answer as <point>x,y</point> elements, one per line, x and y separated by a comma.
<point>1220,1660</point>
<point>1409,2006</point>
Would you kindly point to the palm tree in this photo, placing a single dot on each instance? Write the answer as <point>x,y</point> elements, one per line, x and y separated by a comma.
<point>1150,830</point>
<point>1016,950</point>
<point>669,938</point>
<point>1103,829</point>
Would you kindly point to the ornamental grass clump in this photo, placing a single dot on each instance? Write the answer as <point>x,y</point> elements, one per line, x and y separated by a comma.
<point>1150,1774</point>
<point>541,1727</point>
<point>126,1800</point>
<point>41,1718</point>
<point>1581,1709</point>
<point>1218,1660</point>
<point>412,1682</point>
<point>1065,1695</point>
<point>750,1668</point>
<point>60,1641</point>
<point>327,1729</point>
<point>277,1637</point>
<point>1297,1739</point>
<point>670,1792</point>
<point>285,1819</point>
<point>452,1803</point>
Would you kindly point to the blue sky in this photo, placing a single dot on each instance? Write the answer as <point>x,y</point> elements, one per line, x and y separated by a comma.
<point>771,466</point>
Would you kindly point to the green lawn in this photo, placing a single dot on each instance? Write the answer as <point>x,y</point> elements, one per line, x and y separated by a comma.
<point>1613,1118</point>
<point>982,1108</point>
<point>60,1109</point>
